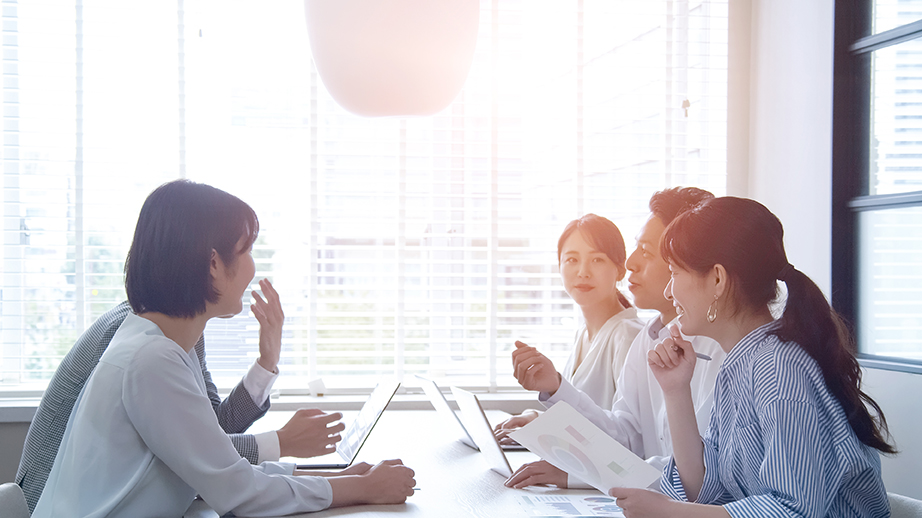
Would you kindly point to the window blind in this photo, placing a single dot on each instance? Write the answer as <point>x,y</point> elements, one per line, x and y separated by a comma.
<point>399,245</point>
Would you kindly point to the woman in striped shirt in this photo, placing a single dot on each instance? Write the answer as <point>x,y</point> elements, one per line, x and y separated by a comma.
<point>790,434</point>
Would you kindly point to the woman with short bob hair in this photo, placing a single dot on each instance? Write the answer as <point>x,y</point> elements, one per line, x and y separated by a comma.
<point>160,443</point>
<point>180,226</point>
<point>790,434</point>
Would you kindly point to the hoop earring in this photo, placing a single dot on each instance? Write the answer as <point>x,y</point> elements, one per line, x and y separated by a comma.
<point>712,311</point>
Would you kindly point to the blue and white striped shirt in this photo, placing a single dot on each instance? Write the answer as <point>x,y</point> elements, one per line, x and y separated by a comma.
<point>779,443</point>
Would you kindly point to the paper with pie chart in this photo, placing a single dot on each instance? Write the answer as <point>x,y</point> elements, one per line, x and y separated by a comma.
<point>569,441</point>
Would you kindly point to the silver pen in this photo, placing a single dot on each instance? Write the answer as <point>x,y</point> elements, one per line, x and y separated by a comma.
<point>674,331</point>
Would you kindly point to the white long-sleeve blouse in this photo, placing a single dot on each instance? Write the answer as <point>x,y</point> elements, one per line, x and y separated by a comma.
<point>147,405</point>
<point>598,372</point>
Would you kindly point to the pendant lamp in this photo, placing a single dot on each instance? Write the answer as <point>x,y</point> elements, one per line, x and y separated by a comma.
<point>381,58</point>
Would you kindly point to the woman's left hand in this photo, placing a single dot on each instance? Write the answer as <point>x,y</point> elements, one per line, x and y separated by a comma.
<point>270,316</point>
<point>643,503</point>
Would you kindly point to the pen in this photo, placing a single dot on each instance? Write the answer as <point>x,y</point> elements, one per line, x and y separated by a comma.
<point>674,331</point>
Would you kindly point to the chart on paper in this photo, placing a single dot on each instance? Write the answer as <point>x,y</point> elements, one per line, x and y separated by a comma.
<point>569,441</point>
<point>569,505</point>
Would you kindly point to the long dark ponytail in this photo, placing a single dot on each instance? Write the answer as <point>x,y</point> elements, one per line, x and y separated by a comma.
<point>605,236</point>
<point>809,321</point>
<point>748,240</point>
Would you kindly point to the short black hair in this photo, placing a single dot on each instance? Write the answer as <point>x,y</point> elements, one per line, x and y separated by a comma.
<point>168,266</point>
<point>669,203</point>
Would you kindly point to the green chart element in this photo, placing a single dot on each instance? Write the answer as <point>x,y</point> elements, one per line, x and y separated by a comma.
<point>614,466</point>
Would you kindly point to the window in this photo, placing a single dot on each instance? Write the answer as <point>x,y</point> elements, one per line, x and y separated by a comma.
<point>877,164</point>
<point>399,246</point>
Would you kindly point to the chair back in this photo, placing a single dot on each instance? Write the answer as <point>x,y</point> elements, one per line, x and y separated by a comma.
<point>904,507</point>
<point>12,502</point>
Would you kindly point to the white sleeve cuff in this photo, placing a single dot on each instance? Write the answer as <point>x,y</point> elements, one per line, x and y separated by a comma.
<point>565,392</point>
<point>576,483</point>
<point>268,444</point>
<point>258,382</point>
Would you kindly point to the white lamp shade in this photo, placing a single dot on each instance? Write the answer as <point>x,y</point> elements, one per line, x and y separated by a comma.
<point>393,57</point>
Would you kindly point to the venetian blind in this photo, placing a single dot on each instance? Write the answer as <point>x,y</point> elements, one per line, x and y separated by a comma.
<point>400,245</point>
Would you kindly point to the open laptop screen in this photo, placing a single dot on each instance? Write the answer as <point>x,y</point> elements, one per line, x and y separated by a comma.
<point>354,436</point>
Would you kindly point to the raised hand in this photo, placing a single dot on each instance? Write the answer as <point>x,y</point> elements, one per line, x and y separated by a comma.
<point>673,362</point>
<point>538,473</point>
<point>309,433</point>
<point>270,316</point>
<point>533,370</point>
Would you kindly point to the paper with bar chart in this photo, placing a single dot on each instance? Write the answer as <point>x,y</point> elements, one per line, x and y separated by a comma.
<point>569,505</point>
<point>569,441</point>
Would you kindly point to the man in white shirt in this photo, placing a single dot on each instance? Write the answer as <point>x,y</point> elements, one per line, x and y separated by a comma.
<point>637,418</point>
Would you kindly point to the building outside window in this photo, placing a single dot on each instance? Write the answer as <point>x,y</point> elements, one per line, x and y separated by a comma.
<point>877,236</point>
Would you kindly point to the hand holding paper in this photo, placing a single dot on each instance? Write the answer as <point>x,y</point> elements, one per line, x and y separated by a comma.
<point>569,441</point>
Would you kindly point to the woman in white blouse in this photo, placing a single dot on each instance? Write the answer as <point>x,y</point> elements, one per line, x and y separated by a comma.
<point>591,254</point>
<point>142,439</point>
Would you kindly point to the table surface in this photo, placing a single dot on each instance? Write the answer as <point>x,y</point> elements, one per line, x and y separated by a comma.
<point>453,479</point>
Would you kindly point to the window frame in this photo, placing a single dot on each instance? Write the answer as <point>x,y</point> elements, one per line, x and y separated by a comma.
<point>853,47</point>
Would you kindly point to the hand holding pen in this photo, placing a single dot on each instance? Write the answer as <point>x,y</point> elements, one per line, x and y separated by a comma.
<point>673,362</point>
<point>676,335</point>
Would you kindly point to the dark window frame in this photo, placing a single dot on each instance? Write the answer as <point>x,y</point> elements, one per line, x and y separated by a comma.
<point>853,47</point>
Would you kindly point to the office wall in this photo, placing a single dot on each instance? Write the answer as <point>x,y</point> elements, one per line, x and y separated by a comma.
<point>789,170</point>
<point>890,390</point>
<point>12,437</point>
<point>790,146</point>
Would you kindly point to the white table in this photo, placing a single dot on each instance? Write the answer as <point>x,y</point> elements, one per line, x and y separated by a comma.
<point>454,480</point>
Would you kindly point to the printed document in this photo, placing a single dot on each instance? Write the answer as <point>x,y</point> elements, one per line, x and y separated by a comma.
<point>569,441</point>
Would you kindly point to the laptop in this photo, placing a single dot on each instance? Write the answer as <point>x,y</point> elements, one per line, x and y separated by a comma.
<point>451,418</point>
<point>354,436</point>
<point>481,431</point>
